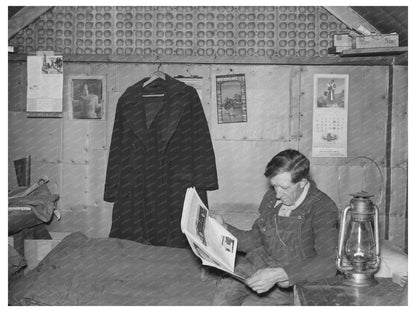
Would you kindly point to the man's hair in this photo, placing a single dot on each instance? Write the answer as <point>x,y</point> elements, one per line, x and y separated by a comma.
<point>291,161</point>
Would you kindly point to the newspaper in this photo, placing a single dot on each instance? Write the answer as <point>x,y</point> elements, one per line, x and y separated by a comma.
<point>209,240</point>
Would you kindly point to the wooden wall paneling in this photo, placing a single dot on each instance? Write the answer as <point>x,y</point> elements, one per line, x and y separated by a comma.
<point>240,167</point>
<point>399,157</point>
<point>396,230</point>
<point>398,209</point>
<point>11,177</point>
<point>326,178</point>
<point>16,83</point>
<point>97,134</point>
<point>77,68</point>
<point>97,167</point>
<point>398,200</point>
<point>381,227</point>
<point>37,137</point>
<point>54,173</point>
<point>374,112</point>
<point>127,75</point>
<point>306,109</point>
<point>268,98</point>
<point>75,143</point>
<point>243,221</point>
<point>74,186</point>
<point>107,70</point>
<point>16,132</point>
<point>295,114</point>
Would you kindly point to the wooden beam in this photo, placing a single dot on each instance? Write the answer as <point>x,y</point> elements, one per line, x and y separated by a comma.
<point>374,51</point>
<point>248,60</point>
<point>24,17</point>
<point>401,59</point>
<point>351,18</point>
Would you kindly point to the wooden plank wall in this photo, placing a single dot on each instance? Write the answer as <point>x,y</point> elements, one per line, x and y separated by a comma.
<point>73,153</point>
<point>398,226</point>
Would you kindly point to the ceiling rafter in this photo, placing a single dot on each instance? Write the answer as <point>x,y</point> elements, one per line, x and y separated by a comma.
<point>351,18</point>
<point>24,17</point>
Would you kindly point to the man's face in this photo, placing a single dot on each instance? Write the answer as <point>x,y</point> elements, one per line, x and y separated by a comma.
<point>286,191</point>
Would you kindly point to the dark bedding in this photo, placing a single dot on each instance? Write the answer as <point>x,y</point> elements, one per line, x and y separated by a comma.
<point>110,271</point>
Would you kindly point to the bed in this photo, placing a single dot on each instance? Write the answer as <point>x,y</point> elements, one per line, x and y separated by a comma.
<point>115,272</point>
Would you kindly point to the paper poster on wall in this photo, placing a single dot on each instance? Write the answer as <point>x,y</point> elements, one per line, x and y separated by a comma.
<point>330,115</point>
<point>231,98</point>
<point>44,84</point>
<point>87,97</point>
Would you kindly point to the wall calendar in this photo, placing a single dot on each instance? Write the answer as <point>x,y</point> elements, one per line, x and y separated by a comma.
<point>330,115</point>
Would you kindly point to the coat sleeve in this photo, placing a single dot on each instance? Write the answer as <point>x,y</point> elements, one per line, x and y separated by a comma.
<point>325,230</point>
<point>204,167</point>
<point>114,157</point>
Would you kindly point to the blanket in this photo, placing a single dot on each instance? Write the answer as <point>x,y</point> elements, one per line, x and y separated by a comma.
<point>110,271</point>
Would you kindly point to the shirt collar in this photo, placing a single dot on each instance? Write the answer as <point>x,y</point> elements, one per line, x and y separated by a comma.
<point>303,195</point>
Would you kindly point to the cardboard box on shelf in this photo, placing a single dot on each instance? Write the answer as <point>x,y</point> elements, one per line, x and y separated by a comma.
<point>342,40</point>
<point>376,41</point>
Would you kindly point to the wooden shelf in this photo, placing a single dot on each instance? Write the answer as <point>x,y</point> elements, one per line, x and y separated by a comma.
<point>342,60</point>
<point>374,51</point>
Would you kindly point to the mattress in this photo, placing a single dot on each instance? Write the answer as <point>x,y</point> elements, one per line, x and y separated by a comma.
<point>115,272</point>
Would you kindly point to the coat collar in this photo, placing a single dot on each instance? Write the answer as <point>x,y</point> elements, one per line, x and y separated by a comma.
<point>170,113</point>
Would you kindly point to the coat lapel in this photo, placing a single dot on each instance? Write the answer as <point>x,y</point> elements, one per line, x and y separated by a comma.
<point>169,115</point>
<point>175,102</point>
<point>133,110</point>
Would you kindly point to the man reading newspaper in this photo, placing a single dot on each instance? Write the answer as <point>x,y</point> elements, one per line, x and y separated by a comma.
<point>293,239</point>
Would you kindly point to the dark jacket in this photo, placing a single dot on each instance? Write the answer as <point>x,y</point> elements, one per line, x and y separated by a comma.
<point>160,146</point>
<point>303,243</point>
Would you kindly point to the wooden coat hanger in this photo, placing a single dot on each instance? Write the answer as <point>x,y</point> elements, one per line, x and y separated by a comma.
<point>156,75</point>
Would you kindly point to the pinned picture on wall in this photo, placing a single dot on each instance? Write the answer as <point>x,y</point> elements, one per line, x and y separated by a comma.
<point>231,98</point>
<point>87,97</point>
<point>330,115</point>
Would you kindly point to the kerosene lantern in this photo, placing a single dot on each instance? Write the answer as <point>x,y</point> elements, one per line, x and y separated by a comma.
<point>358,255</point>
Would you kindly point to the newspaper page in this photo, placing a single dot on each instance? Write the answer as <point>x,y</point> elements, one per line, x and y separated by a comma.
<point>209,240</point>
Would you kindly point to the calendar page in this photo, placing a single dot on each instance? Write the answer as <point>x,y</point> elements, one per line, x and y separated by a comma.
<point>330,116</point>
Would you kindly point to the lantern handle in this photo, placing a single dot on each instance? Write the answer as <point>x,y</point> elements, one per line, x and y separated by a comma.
<point>379,171</point>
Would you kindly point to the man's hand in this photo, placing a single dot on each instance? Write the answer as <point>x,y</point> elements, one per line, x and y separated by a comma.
<point>219,218</point>
<point>264,279</point>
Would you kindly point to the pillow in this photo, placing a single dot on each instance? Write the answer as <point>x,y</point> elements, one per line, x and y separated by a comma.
<point>393,260</point>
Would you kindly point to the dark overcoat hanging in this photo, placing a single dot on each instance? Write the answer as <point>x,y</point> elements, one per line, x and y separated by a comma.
<point>160,146</point>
